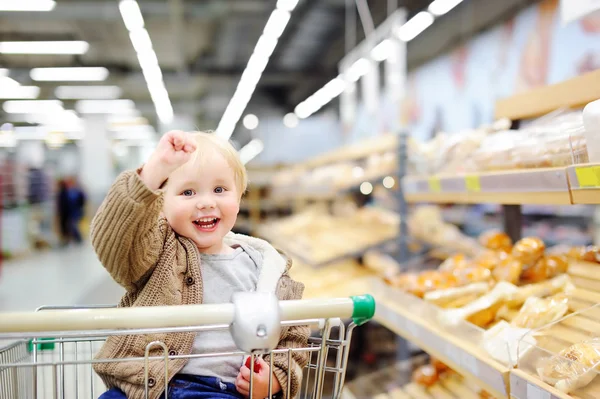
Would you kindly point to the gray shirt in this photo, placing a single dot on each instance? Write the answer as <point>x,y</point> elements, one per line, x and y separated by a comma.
<point>222,276</point>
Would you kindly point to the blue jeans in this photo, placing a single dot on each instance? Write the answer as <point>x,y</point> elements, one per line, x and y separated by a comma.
<point>184,386</point>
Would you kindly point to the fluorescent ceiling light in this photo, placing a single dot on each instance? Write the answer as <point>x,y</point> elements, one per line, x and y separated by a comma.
<point>441,7</point>
<point>134,22</point>
<point>48,47</point>
<point>358,69</point>
<point>104,106</point>
<point>250,121</point>
<point>132,16</point>
<point>415,26</point>
<point>287,5</point>
<point>140,40</point>
<point>265,46</point>
<point>32,107</point>
<point>148,59</point>
<point>19,92</point>
<point>325,94</point>
<point>8,83</point>
<point>382,51</point>
<point>277,23</point>
<point>251,150</point>
<point>88,92</point>
<point>275,26</point>
<point>69,74</point>
<point>27,5</point>
<point>290,120</point>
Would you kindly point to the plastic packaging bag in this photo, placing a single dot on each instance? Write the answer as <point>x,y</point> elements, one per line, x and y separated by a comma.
<point>442,297</point>
<point>572,368</point>
<point>506,343</point>
<point>537,312</point>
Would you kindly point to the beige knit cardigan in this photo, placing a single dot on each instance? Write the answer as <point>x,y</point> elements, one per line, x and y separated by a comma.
<point>158,267</point>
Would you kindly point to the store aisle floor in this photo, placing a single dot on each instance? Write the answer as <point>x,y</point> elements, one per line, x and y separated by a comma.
<point>69,276</point>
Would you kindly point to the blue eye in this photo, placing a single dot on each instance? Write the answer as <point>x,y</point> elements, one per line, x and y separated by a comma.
<point>219,190</point>
<point>188,193</point>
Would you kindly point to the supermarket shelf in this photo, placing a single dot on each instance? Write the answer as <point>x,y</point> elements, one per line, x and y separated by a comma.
<point>573,93</point>
<point>413,319</point>
<point>286,245</point>
<point>329,191</point>
<point>585,183</point>
<point>355,151</point>
<point>450,387</point>
<point>525,386</point>
<point>547,186</point>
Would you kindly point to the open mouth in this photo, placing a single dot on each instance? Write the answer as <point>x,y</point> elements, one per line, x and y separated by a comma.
<point>206,224</point>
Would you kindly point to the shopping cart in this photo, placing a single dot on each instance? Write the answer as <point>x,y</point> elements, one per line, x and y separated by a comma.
<point>53,350</point>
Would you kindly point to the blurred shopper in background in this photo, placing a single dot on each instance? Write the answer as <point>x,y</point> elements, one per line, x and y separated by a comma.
<point>62,202</point>
<point>71,204</point>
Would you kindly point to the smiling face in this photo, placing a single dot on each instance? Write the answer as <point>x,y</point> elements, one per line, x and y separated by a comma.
<point>202,201</point>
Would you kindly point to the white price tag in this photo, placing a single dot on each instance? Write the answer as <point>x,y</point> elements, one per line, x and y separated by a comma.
<point>535,392</point>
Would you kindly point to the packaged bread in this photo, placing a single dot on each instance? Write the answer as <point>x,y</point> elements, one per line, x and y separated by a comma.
<point>572,368</point>
<point>561,283</point>
<point>456,261</point>
<point>588,254</point>
<point>490,259</point>
<point>546,267</point>
<point>407,282</point>
<point>509,269</point>
<point>473,274</point>
<point>537,312</point>
<point>485,316</point>
<point>528,250</point>
<point>497,295</point>
<point>496,240</point>
<point>445,296</point>
<point>505,342</point>
<point>426,375</point>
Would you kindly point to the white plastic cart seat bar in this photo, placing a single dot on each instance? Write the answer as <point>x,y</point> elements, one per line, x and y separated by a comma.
<point>359,308</point>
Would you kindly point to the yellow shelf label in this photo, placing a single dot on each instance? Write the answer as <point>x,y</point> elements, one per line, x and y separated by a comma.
<point>472,183</point>
<point>435,185</point>
<point>588,176</point>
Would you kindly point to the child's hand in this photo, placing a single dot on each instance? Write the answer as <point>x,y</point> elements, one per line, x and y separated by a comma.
<point>174,149</point>
<point>260,380</point>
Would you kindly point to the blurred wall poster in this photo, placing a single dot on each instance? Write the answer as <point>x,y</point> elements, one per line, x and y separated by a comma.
<point>458,91</point>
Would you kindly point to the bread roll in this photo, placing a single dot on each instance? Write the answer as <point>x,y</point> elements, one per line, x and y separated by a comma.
<point>528,250</point>
<point>496,240</point>
<point>426,375</point>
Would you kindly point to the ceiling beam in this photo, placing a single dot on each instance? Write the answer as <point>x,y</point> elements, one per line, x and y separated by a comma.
<point>109,10</point>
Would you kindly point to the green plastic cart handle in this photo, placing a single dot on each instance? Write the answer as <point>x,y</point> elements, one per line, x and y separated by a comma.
<point>364,308</point>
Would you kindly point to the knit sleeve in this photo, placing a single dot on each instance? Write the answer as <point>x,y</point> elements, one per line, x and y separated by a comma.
<point>294,337</point>
<point>127,231</point>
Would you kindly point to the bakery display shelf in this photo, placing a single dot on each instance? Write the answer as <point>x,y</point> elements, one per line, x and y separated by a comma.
<point>340,279</point>
<point>451,387</point>
<point>318,238</point>
<point>455,344</point>
<point>347,249</point>
<point>545,347</point>
<point>331,191</point>
<point>585,183</point>
<point>585,275</point>
<point>573,93</point>
<point>354,152</point>
<point>544,186</point>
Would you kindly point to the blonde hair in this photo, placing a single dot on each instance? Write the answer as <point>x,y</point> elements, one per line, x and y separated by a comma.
<point>208,142</point>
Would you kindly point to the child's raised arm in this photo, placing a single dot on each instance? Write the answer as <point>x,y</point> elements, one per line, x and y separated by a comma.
<point>127,232</point>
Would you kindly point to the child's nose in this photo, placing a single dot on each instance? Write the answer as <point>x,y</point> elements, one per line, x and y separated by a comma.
<point>205,201</point>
